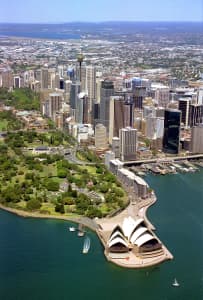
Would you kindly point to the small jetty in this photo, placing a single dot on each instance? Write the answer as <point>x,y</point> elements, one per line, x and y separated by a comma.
<point>81,231</point>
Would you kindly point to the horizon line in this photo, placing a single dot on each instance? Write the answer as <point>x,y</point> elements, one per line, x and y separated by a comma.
<point>100,22</point>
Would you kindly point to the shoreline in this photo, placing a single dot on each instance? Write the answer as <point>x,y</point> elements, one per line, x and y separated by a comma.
<point>140,211</point>
<point>21,213</point>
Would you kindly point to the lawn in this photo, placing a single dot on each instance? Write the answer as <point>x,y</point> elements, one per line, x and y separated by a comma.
<point>91,169</point>
<point>3,125</point>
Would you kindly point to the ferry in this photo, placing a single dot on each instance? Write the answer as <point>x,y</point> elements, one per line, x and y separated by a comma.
<point>86,245</point>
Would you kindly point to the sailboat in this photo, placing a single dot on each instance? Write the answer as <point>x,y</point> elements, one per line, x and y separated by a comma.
<point>175,283</point>
<point>86,245</point>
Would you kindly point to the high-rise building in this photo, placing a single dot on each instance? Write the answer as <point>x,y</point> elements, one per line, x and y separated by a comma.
<point>154,127</point>
<point>200,96</point>
<point>162,95</point>
<point>100,137</point>
<point>60,71</point>
<point>90,82</point>
<point>149,111</point>
<point>128,143</point>
<point>120,115</point>
<point>95,113</point>
<point>74,91</point>
<point>171,138</point>
<point>184,106</point>
<point>98,89</point>
<point>116,116</point>
<point>54,104</point>
<point>139,94</point>
<point>44,78</point>
<point>67,89</point>
<point>195,114</point>
<point>82,108</point>
<point>71,73</point>
<point>197,139</point>
<point>107,90</point>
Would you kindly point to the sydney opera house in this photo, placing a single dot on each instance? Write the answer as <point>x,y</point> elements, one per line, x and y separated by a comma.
<point>132,238</point>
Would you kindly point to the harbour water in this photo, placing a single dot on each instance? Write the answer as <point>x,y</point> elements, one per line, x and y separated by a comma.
<point>42,259</point>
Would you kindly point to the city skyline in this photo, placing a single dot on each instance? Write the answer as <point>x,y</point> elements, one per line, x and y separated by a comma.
<point>102,10</point>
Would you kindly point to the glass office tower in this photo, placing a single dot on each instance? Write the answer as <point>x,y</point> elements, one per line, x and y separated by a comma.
<point>171,138</point>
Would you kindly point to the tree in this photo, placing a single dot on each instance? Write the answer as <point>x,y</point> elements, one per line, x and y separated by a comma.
<point>93,212</point>
<point>33,204</point>
<point>52,185</point>
<point>59,208</point>
<point>62,173</point>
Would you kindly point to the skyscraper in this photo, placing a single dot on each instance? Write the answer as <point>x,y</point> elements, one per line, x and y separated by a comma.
<point>197,139</point>
<point>74,91</point>
<point>81,114</point>
<point>128,143</point>
<point>44,78</point>
<point>184,106</point>
<point>54,104</point>
<point>107,90</point>
<point>171,138</point>
<point>116,116</point>
<point>195,114</point>
<point>90,82</point>
<point>120,115</point>
<point>100,137</point>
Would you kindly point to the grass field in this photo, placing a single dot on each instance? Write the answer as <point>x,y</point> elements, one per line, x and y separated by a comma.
<point>3,125</point>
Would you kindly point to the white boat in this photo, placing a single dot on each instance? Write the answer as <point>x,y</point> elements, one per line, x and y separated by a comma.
<point>81,233</point>
<point>72,229</point>
<point>86,245</point>
<point>175,283</point>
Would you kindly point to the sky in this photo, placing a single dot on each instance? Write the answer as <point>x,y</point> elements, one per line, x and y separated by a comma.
<point>58,11</point>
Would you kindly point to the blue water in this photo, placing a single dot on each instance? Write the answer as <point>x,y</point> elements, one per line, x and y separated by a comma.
<point>76,29</point>
<point>41,259</point>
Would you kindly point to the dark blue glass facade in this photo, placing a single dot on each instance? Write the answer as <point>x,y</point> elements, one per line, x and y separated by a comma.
<point>171,138</point>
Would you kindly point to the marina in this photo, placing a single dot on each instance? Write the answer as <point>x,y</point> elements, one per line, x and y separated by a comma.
<point>167,167</point>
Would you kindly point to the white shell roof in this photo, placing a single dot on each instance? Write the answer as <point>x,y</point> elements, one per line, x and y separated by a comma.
<point>137,234</point>
<point>143,239</point>
<point>129,224</point>
<point>116,233</point>
<point>116,241</point>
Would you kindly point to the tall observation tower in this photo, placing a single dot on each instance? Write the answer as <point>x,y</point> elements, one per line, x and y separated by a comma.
<point>80,59</point>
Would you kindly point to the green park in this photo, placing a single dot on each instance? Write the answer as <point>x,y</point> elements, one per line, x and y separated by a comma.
<point>47,182</point>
